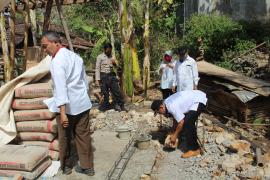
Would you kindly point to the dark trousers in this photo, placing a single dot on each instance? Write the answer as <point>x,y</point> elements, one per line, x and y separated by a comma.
<point>190,129</point>
<point>109,83</point>
<point>166,93</point>
<point>79,127</point>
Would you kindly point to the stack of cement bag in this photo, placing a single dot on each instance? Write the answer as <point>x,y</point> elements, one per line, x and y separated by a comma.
<point>36,125</point>
<point>29,161</point>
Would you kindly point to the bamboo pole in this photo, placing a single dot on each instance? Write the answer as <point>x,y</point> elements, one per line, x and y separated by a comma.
<point>5,48</point>
<point>26,33</point>
<point>59,8</point>
<point>12,36</point>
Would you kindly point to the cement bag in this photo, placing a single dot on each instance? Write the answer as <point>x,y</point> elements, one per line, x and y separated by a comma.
<point>54,155</point>
<point>37,126</point>
<point>19,157</point>
<point>30,115</point>
<point>22,104</point>
<point>34,91</point>
<point>50,145</point>
<point>36,136</point>
<point>29,175</point>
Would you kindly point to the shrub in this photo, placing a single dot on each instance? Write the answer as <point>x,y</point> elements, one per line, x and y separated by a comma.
<point>219,33</point>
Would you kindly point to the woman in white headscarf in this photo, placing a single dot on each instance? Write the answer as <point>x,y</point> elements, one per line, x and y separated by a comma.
<point>166,71</point>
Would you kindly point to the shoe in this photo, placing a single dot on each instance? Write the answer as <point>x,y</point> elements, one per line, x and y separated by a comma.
<point>191,153</point>
<point>104,108</point>
<point>67,171</point>
<point>117,108</point>
<point>123,109</point>
<point>88,172</point>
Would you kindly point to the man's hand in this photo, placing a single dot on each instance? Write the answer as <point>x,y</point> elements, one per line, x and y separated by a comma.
<point>173,89</point>
<point>173,140</point>
<point>170,66</point>
<point>64,120</point>
<point>97,82</point>
<point>114,62</point>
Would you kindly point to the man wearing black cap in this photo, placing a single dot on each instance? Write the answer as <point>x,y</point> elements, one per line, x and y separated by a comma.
<point>185,107</point>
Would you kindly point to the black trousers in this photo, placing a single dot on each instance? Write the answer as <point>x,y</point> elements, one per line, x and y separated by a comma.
<point>190,129</point>
<point>166,93</point>
<point>109,83</point>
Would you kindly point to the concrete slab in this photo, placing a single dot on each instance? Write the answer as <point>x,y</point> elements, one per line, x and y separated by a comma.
<point>107,148</point>
<point>141,162</point>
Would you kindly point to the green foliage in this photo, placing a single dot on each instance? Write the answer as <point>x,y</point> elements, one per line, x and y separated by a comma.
<point>97,49</point>
<point>244,45</point>
<point>219,33</point>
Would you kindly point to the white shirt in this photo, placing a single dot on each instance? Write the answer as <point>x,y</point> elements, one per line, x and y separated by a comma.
<point>70,86</point>
<point>181,102</point>
<point>166,75</point>
<point>186,74</point>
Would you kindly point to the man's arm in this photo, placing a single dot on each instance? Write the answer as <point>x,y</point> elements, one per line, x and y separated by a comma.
<point>97,70</point>
<point>177,131</point>
<point>195,75</point>
<point>63,116</point>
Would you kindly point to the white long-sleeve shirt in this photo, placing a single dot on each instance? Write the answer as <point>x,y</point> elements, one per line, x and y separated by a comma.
<point>70,87</point>
<point>166,75</point>
<point>181,102</point>
<point>186,74</point>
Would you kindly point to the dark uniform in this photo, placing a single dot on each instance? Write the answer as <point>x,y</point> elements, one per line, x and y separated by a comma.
<point>108,82</point>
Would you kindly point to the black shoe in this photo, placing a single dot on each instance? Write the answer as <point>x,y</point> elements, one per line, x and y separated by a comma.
<point>117,108</point>
<point>123,109</point>
<point>104,108</point>
<point>88,172</point>
<point>67,171</point>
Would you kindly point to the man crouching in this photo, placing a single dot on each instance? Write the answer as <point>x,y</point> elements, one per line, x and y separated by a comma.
<point>185,107</point>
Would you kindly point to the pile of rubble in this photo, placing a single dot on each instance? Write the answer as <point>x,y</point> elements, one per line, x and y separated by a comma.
<point>254,65</point>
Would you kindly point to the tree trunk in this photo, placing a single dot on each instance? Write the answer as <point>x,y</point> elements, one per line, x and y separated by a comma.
<point>59,8</point>
<point>146,62</point>
<point>135,67</point>
<point>7,68</point>
<point>12,37</point>
<point>126,31</point>
<point>26,33</point>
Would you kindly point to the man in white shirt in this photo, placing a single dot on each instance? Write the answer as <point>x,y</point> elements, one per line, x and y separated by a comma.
<point>71,100</point>
<point>185,107</point>
<point>186,75</point>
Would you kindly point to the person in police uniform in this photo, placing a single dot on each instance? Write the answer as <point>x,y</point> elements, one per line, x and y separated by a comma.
<point>107,80</point>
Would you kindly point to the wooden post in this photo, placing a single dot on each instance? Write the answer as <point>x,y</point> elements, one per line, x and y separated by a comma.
<point>12,36</point>
<point>33,25</point>
<point>5,48</point>
<point>26,34</point>
<point>59,8</point>
<point>47,15</point>
<point>146,61</point>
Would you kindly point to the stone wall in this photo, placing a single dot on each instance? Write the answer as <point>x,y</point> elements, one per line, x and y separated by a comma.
<point>237,9</point>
